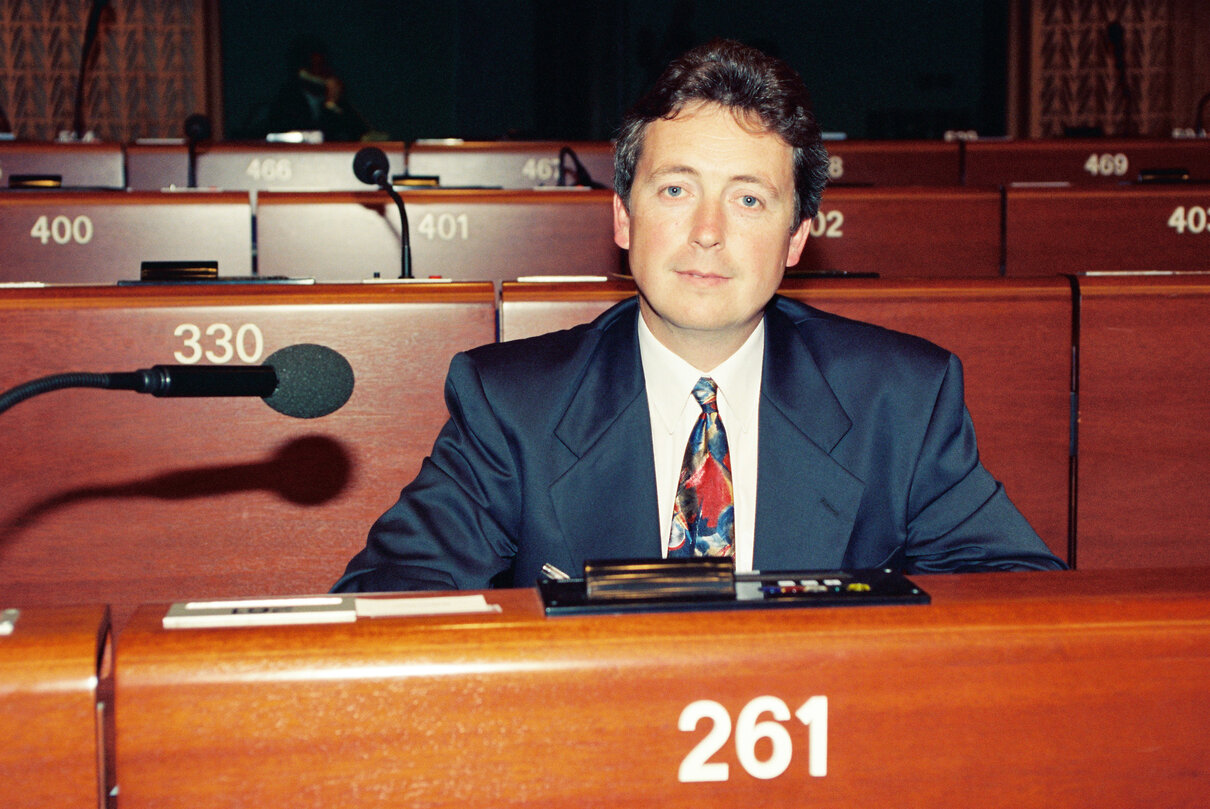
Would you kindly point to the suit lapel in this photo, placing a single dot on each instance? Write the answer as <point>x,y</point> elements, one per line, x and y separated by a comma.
<point>606,430</point>
<point>806,502</point>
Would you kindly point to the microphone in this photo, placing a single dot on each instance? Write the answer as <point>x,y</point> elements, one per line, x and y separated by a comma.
<point>90,38</point>
<point>197,129</point>
<point>304,381</point>
<point>583,177</point>
<point>370,165</point>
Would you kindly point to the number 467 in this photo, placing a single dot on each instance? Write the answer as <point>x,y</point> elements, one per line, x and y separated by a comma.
<point>749,729</point>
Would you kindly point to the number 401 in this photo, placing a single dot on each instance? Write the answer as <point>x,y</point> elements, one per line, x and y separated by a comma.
<point>749,729</point>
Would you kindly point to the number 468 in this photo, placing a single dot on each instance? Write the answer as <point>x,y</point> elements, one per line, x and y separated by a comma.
<point>749,729</point>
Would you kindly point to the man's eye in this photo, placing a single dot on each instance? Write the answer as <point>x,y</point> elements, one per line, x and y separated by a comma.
<point>749,201</point>
<point>674,190</point>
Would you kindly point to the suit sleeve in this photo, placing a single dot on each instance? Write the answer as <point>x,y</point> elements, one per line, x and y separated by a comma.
<point>454,526</point>
<point>959,517</point>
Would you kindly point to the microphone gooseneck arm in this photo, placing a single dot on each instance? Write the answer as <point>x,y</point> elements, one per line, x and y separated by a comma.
<point>303,381</point>
<point>158,380</point>
<point>370,165</point>
<point>405,268</point>
<point>48,383</point>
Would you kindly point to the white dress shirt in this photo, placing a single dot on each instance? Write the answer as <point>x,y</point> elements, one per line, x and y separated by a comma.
<point>670,380</point>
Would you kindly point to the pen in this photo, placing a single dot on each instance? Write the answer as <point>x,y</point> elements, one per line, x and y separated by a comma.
<point>553,573</point>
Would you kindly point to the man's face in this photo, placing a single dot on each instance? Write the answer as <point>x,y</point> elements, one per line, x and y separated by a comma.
<point>708,229</point>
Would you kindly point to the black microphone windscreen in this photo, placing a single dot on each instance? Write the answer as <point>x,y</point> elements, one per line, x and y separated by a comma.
<point>370,165</point>
<point>197,128</point>
<point>312,381</point>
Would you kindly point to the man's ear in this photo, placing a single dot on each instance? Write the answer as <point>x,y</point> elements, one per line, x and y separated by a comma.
<point>621,223</point>
<point>798,240</point>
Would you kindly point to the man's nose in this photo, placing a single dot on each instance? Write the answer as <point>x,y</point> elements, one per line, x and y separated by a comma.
<point>709,225</point>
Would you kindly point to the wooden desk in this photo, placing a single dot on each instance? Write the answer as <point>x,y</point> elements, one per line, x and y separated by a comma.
<point>1013,336</point>
<point>508,164</point>
<point>79,237</point>
<point>261,166</point>
<point>112,497</point>
<point>1144,447</point>
<point>906,232</point>
<point>1010,690</point>
<point>882,162</point>
<point>464,235</point>
<point>1086,162</point>
<point>52,724</point>
<point>1127,229</point>
<point>77,165</point>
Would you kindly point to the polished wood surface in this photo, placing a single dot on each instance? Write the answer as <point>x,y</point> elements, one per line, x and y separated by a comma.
<point>1091,161</point>
<point>77,237</point>
<point>872,162</point>
<point>1132,229</point>
<point>464,235</point>
<point>260,166</point>
<point>49,714</point>
<point>906,232</point>
<point>1013,336</point>
<point>536,307</point>
<point>77,165</point>
<point>112,497</point>
<point>508,164</point>
<point>1144,446</point>
<point>1010,690</point>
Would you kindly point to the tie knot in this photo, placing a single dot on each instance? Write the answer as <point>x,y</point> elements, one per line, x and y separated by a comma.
<point>705,392</point>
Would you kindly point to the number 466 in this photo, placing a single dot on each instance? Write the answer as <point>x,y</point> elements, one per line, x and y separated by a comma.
<point>749,729</point>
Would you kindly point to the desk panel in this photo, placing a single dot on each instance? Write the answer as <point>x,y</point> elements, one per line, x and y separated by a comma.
<point>520,164</point>
<point>115,497</point>
<point>260,166</point>
<point>1144,448</point>
<point>905,232</point>
<point>869,162</point>
<point>65,237</point>
<point>1010,690</point>
<point>464,235</point>
<point>1050,231</point>
<point>1013,336</point>
<point>1098,161</point>
<point>77,165</point>
<point>49,715</point>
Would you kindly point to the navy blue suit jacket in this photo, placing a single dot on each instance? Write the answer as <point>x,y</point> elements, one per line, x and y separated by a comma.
<point>867,459</point>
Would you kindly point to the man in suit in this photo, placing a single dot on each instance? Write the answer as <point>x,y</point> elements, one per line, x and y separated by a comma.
<point>815,442</point>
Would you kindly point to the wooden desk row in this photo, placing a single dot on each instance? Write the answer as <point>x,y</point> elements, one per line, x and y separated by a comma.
<point>528,164</point>
<point>303,167</point>
<point>1089,407</point>
<point>1083,688</point>
<point>96,238</point>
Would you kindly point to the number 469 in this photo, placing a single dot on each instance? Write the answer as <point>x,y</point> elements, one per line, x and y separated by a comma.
<point>749,729</point>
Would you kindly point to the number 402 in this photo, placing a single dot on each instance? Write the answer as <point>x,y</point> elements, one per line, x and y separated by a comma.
<point>749,729</point>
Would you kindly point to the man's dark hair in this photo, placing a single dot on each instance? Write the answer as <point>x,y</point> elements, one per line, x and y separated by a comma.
<point>742,79</point>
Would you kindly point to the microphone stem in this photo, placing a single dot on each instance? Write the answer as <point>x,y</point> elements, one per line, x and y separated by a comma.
<point>48,383</point>
<point>405,236</point>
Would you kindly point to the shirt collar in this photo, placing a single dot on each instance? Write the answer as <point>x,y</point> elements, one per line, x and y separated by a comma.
<point>670,379</point>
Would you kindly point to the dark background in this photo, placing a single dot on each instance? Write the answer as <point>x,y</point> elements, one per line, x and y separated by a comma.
<point>486,69</point>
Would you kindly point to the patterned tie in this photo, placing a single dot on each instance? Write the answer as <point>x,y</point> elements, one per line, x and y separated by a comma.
<point>702,520</point>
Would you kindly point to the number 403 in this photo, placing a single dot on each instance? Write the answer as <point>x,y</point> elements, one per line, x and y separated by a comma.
<point>750,728</point>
